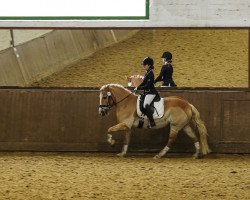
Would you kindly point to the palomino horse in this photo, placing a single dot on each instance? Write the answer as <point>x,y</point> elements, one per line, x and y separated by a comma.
<point>177,112</point>
<point>135,80</point>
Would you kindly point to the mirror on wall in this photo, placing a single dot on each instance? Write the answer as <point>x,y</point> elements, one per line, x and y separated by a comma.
<point>93,57</point>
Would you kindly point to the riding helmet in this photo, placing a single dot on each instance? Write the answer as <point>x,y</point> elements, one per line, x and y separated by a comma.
<point>167,55</point>
<point>148,61</point>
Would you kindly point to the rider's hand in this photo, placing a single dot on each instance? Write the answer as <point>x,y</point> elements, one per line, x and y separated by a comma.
<point>135,89</point>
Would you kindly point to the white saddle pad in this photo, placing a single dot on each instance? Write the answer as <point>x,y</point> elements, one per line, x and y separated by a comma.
<point>158,111</point>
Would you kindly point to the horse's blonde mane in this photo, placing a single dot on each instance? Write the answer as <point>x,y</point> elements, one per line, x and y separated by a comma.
<point>114,85</point>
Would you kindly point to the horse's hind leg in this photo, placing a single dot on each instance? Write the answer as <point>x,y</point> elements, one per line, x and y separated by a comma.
<point>189,131</point>
<point>172,136</point>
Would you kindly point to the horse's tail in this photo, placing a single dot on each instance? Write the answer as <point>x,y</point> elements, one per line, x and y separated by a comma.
<point>196,120</point>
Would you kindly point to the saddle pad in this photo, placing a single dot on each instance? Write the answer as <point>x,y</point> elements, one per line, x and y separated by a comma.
<point>158,111</point>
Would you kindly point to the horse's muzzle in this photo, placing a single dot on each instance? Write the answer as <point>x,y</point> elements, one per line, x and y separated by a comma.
<point>103,111</point>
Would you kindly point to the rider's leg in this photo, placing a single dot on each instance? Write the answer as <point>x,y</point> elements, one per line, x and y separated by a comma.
<point>142,98</point>
<point>147,101</point>
<point>149,114</point>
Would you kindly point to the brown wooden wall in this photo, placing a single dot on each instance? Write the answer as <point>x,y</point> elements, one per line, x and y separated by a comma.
<point>67,120</point>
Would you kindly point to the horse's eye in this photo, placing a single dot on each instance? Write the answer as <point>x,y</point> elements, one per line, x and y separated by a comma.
<point>104,97</point>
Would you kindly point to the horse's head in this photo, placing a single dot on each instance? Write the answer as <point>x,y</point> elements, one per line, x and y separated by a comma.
<point>106,100</point>
<point>134,80</point>
<point>112,95</point>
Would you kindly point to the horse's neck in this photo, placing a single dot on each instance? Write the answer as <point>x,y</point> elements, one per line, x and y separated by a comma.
<point>122,95</point>
<point>125,103</point>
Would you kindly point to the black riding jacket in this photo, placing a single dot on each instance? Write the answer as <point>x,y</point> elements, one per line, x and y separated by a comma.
<point>148,83</point>
<point>166,75</point>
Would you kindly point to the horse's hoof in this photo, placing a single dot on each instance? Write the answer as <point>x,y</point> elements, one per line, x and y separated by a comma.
<point>197,156</point>
<point>112,144</point>
<point>121,154</point>
<point>156,157</point>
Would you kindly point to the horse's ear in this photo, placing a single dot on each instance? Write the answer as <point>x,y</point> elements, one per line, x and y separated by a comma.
<point>127,77</point>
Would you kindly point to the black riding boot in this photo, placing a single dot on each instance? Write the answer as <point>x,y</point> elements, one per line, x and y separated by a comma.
<point>149,113</point>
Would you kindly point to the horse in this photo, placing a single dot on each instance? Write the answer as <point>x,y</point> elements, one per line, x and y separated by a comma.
<point>178,112</point>
<point>135,80</point>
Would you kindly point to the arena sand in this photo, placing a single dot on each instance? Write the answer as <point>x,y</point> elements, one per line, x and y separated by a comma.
<point>36,176</point>
<point>202,58</point>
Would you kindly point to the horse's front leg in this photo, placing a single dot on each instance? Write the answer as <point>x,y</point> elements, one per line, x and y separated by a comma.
<point>118,127</point>
<point>126,143</point>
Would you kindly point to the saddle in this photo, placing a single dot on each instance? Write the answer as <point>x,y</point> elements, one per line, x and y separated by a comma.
<point>157,107</point>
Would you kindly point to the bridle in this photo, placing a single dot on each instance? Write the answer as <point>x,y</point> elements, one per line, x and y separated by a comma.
<point>108,97</point>
<point>114,103</point>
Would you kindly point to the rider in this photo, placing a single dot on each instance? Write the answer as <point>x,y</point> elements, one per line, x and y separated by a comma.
<point>149,89</point>
<point>166,70</point>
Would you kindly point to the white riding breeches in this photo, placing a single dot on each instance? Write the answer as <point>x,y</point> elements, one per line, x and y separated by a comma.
<point>148,99</point>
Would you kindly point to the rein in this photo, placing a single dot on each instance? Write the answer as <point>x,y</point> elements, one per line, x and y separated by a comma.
<point>114,103</point>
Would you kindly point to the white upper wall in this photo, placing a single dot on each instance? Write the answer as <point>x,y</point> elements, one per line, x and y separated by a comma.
<point>166,13</point>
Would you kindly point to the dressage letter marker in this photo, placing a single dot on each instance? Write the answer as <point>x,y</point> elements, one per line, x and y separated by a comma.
<point>74,9</point>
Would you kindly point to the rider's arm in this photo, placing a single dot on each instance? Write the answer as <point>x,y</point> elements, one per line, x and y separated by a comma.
<point>160,77</point>
<point>146,84</point>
